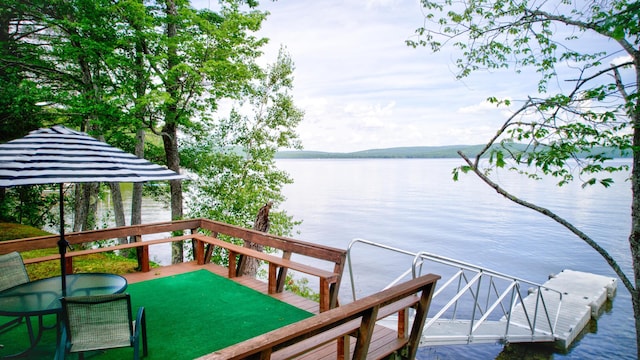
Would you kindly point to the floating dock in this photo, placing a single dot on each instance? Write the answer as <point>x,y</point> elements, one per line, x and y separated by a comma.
<point>583,295</point>
<point>569,300</point>
<point>474,305</point>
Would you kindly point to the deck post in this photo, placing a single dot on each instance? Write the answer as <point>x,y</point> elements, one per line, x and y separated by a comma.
<point>232,264</point>
<point>68,268</point>
<point>144,259</point>
<point>325,302</point>
<point>197,252</point>
<point>272,284</point>
<point>344,345</point>
<point>338,268</point>
<point>403,324</point>
<point>418,321</point>
<point>365,333</point>
<point>282,274</point>
<point>137,239</point>
<point>198,249</point>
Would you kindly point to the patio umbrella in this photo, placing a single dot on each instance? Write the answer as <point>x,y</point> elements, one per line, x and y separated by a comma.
<point>60,155</point>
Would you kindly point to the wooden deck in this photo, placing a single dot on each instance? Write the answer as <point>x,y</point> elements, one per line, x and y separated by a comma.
<point>382,336</point>
<point>357,320</point>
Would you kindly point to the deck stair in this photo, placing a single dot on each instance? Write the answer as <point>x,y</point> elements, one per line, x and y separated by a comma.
<point>473,305</point>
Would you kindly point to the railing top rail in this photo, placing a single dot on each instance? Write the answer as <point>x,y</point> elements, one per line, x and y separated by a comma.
<point>318,251</point>
<point>440,259</point>
<point>464,265</point>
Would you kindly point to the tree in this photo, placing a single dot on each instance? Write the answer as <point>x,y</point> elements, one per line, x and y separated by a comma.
<point>203,57</point>
<point>20,66</point>
<point>563,127</point>
<point>235,173</point>
<point>113,69</point>
<point>60,55</point>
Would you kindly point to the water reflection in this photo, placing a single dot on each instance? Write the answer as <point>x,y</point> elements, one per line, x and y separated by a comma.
<point>152,211</point>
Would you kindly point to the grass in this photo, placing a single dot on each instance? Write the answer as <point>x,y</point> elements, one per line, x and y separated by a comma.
<point>107,262</point>
<point>10,231</point>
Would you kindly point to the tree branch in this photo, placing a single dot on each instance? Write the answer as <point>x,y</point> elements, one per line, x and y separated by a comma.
<point>499,133</point>
<point>620,85</point>
<point>546,212</point>
<point>583,25</point>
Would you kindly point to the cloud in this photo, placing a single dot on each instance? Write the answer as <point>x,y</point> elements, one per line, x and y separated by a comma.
<point>621,60</point>
<point>361,87</point>
<point>483,107</point>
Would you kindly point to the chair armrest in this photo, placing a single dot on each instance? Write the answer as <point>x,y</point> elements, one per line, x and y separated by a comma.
<point>140,322</point>
<point>140,332</point>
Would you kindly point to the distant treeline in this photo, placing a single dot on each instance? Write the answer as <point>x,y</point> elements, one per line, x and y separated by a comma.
<point>414,152</point>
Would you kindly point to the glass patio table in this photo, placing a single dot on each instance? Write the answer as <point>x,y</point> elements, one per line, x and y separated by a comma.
<point>42,297</point>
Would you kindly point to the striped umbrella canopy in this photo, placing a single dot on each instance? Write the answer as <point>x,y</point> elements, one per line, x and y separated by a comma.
<point>60,155</point>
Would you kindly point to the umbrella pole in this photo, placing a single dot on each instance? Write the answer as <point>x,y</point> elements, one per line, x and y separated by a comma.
<point>62,245</point>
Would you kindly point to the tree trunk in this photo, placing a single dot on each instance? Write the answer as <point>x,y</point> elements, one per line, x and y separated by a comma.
<point>249,266</point>
<point>634,238</point>
<point>85,206</point>
<point>136,194</point>
<point>118,211</point>
<point>173,163</point>
<point>118,207</point>
<point>141,88</point>
<point>170,130</point>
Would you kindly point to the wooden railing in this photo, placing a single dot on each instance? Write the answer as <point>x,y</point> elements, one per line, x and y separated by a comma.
<point>205,236</point>
<point>356,319</point>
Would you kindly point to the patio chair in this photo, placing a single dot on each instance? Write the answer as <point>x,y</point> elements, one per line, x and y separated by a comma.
<point>12,273</point>
<point>101,322</point>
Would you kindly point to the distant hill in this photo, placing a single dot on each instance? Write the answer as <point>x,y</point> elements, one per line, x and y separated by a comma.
<point>414,152</point>
<point>418,152</point>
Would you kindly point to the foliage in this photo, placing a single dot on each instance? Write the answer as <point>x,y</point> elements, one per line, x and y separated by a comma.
<point>492,35</point>
<point>29,205</point>
<point>94,263</point>
<point>112,68</point>
<point>234,171</point>
<point>300,286</point>
<point>587,57</point>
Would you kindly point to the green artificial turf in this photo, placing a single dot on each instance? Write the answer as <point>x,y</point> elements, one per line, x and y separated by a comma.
<point>188,315</point>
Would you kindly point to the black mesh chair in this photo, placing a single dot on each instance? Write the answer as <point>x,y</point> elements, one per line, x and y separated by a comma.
<point>101,322</point>
<point>12,273</point>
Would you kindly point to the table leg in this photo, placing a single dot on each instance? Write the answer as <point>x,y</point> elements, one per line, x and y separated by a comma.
<point>33,338</point>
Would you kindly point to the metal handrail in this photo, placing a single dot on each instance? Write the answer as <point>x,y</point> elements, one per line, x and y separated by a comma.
<point>382,246</point>
<point>468,279</point>
<point>514,287</point>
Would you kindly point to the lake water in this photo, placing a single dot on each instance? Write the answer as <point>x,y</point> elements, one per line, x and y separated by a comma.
<point>414,204</point>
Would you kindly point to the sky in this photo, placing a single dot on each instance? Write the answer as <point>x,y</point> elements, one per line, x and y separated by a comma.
<point>361,87</point>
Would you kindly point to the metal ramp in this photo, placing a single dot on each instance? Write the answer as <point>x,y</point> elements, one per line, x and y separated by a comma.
<point>477,305</point>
